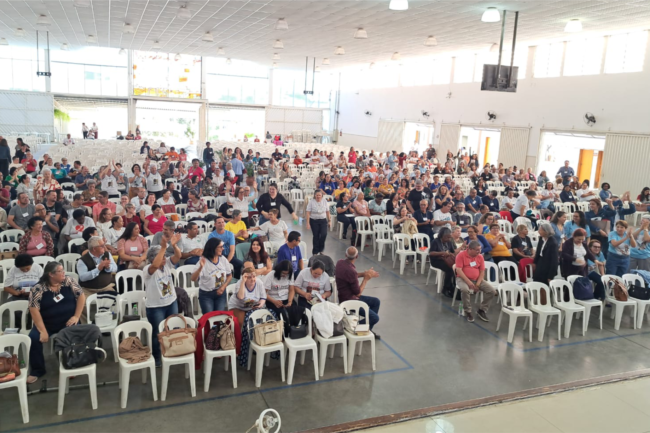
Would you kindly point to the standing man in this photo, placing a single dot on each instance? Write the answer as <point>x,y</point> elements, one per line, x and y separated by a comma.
<point>417,195</point>
<point>208,154</point>
<point>84,130</point>
<point>566,172</point>
<point>470,269</point>
<point>238,168</point>
<point>95,130</point>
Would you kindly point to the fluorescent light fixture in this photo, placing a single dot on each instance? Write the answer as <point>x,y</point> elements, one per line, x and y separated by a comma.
<point>19,33</point>
<point>221,51</point>
<point>317,68</point>
<point>361,34</point>
<point>184,13</point>
<point>396,56</point>
<point>573,26</point>
<point>64,47</point>
<point>207,37</point>
<point>128,28</point>
<point>177,57</point>
<point>491,15</point>
<point>156,46</point>
<point>82,3</point>
<point>278,45</point>
<point>339,51</point>
<point>91,39</point>
<point>494,48</point>
<point>275,65</point>
<point>43,20</point>
<point>282,24</point>
<point>326,62</point>
<point>122,52</point>
<point>276,56</point>
<point>398,5</point>
<point>3,41</point>
<point>431,41</point>
<point>372,65</point>
<point>228,61</point>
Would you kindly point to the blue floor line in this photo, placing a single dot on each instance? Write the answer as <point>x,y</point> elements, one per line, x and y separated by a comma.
<point>224,397</point>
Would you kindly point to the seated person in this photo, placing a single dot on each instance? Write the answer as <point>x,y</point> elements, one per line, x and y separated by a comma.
<point>461,218</point>
<point>500,244</point>
<point>424,218</point>
<point>169,228</point>
<point>237,227</point>
<point>492,202</point>
<point>19,281</point>
<point>291,251</point>
<point>473,235</point>
<point>310,281</point>
<point>132,247</point>
<point>250,294</point>
<point>441,254</point>
<point>35,241</point>
<point>522,247</point>
<point>377,206</point>
<point>470,274</point>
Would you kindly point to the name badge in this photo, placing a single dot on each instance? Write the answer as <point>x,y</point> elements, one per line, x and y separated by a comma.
<point>272,203</point>
<point>39,246</point>
<point>155,181</point>
<point>58,298</point>
<point>52,213</point>
<point>27,289</point>
<point>154,220</point>
<point>92,198</point>
<point>260,265</point>
<point>134,248</point>
<point>501,243</point>
<point>424,219</point>
<point>110,184</point>
<point>26,214</point>
<point>293,258</point>
<point>472,264</point>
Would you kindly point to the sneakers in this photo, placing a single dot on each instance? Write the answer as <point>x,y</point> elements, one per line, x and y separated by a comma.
<point>481,315</point>
<point>377,337</point>
<point>470,318</point>
<point>31,379</point>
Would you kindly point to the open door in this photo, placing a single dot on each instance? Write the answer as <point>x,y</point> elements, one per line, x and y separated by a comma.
<point>599,165</point>
<point>585,164</point>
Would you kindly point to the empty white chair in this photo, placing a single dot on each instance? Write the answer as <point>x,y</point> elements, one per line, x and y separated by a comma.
<point>617,306</point>
<point>301,345</point>
<point>329,344</point>
<point>510,293</point>
<point>13,343</point>
<point>135,327</point>
<point>262,351</point>
<point>377,219</point>
<point>43,260</point>
<point>127,280</point>
<point>402,248</point>
<point>509,272</point>
<point>523,221</point>
<point>9,246</point>
<point>354,338</point>
<point>187,360</point>
<point>421,248</point>
<point>227,355</point>
<point>297,198</point>
<point>64,381</point>
<point>505,226</point>
<point>589,303</point>
<point>92,299</point>
<point>10,309</point>
<point>364,230</point>
<point>69,261</point>
<point>641,304</point>
<point>544,311</point>
<point>12,235</point>
<point>561,289</point>
<point>383,238</point>
<point>131,303</point>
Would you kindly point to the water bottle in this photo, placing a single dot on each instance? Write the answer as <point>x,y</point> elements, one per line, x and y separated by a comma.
<point>460,308</point>
<point>135,309</point>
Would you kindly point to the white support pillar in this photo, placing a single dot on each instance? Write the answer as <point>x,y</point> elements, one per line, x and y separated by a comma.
<point>131,104</point>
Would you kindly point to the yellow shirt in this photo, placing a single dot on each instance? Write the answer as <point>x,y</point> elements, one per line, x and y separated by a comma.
<point>235,228</point>
<point>500,250</point>
<point>338,192</point>
<point>386,190</point>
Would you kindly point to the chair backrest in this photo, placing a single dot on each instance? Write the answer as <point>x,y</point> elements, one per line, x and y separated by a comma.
<point>608,280</point>
<point>231,290</point>
<point>123,277</point>
<point>149,239</point>
<point>177,322</point>
<point>377,219</point>
<point>303,249</point>
<point>389,222</point>
<point>534,238</point>
<point>134,327</point>
<point>534,290</point>
<point>11,308</point>
<point>44,260</point>
<point>421,241</point>
<point>505,226</point>
<point>363,223</point>
<point>509,271</point>
<point>72,242</point>
<point>12,235</point>
<point>402,242</point>
<point>181,209</point>
<point>355,305</point>
<point>219,318</point>
<point>522,221</point>
<point>258,316</point>
<point>559,288</point>
<point>127,299</point>
<point>492,274</point>
<point>185,276</point>
<point>633,279</point>
<point>202,225</point>
<point>69,261</point>
<point>510,293</point>
<point>11,343</point>
<point>9,246</point>
<point>191,215</point>
<point>296,194</point>
<point>209,201</point>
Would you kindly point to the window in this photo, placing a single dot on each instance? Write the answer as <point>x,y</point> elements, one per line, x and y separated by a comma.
<point>442,71</point>
<point>18,69</point>
<point>490,58</point>
<point>626,53</point>
<point>159,74</point>
<point>464,68</point>
<point>584,56</point>
<point>289,85</point>
<point>548,60</point>
<point>241,82</point>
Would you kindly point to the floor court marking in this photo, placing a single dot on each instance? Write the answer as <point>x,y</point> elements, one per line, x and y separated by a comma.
<point>407,367</point>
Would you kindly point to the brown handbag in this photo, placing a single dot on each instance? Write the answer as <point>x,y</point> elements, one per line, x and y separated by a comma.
<point>9,365</point>
<point>177,342</point>
<point>449,260</point>
<point>620,291</point>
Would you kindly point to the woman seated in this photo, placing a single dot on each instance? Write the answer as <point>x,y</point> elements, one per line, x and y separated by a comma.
<point>457,239</point>
<point>258,256</point>
<point>327,185</point>
<point>130,215</point>
<point>596,269</point>
<point>486,248</point>
<point>340,189</point>
<point>484,223</point>
<point>146,209</point>
<point>167,202</point>
<point>644,197</point>
<point>91,195</point>
<point>36,242</point>
<point>312,283</point>
<point>112,235</point>
<point>575,253</point>
<point>55,302</point>
<point>605,192</point>
<point>345,214</point>
<point>522,247</point>
<point>402,216</point>
<point>250,294</point>
<point>578,222</point>
<point>500,244</point>
<point>566,196</point>
<point>154,222</point>
<point>159,287</point>
<point>584,193</point>
<point>213,274</point>
<point>132,248</point>
<point>104,221</point>
<point>130,136</point>
<point>360,206</point>
<point>442,256</point>
<point>393,204</point>
<point>21,278</point>
<point>195,203</point>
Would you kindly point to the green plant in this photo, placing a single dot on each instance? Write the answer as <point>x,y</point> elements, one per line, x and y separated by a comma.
<point>250,169</point>
<point>61,115</point>
<point>251,135</point>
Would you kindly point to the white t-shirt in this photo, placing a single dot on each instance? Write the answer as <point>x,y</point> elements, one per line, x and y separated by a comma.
<point>275,232</point>
<point>23,280</point>
<point>188,244</point>
<point>308,283</point>
<point>112,236</point>
<point>251,298</point>
<point>103,228</point>
<point>74,229</point>
<point>278,289</point>
<point>522,200</point>
<point>147,210</point>
<point>507,199</point>
<point>578,253</point>
<point>440,216</point>
<point>159,286</point>
<point>109,184</point>
<point>581,192</point>
<point>161,201</point>
<point>213,275</point>
<point>154,182</point>
<point>135,201</point>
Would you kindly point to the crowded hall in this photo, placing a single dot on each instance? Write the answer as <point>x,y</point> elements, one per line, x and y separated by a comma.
<point>410,216</point>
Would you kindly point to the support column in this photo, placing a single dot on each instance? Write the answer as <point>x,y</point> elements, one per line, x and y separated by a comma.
<point>203,123</point>
<point>131,101</point>
<point>46,60</point>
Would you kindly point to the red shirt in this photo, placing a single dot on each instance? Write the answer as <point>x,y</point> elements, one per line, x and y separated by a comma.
<point>352,157</point>
<point>191,172</point>
<point>471,266</point>
<point>31,165</point>
<point>155,226</point>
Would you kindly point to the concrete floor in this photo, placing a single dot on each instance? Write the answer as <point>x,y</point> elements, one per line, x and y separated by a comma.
<point>428,356</point>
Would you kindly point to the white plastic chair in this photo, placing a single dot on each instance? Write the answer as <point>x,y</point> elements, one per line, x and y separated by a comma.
<point>262,351</point>
<point>377,219</point>
<point>353,338</point>
<point>227,355</point>
<point>297,198</point>
<point>10,308</point>
<point>641,305</point>
<point>12,235</point>
<point>617,306</point>
<point>43,260</point>
<point>77,241</point>
<point>479,294</point>
<point>438,276</point>
<point>402,249</point>
<point>301,345</point>
<point>509,272</point>
<point>523,221</point>
<point>135,327</point>
<point>123,278</point>
<point>92,299</point>
<point>149,239</point>
<point>64,381</point>
<point>328,345</point>
<point>12,343</point>
<point>509,293</point>
<point>383,238</point>
<point>505,226</point>
<point>421,241</point>
<point>69,261</point>
<point>125,302</point>
<point>188,360</point>
<point>544,311</point>
<point>558,289</point>
<point>364,230</point>
<point>588,304</point>
<point>9,246</point>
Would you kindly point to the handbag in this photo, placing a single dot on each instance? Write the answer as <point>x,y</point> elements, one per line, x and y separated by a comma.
<point>637,291</point>
<point>212,340</point>
<point>582,289</point>
<point>351,322</point>
<point>9,365</point>
<point>620,291</point>
<point>338,329</point>
<point>226,336</point>
<point>449,260</point>
<point>267,333</point>
<point>80,355</point>
<point>177,342</point>
<point>300,329</point>
<point>8,255</point>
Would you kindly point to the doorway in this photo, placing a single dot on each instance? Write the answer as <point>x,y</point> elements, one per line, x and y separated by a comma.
<point>483,141</point>
<point>417,137</point>
<point>175,123</point>
<point>583,151</point>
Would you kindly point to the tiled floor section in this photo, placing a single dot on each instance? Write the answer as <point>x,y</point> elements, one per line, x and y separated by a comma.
<point>622,407</point>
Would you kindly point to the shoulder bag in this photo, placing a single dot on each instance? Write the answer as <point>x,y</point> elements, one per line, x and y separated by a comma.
<point>177,342</point>
<point>637,291</point>
<point>80,355</point>
<point>267,333</point>
<point>8,366</point>
<point>226,336</point>
<point>620,291</point>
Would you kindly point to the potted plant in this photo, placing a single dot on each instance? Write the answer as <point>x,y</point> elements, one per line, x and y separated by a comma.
<point>250,173</point>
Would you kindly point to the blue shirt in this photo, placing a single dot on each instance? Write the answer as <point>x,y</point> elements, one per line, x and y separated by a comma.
<point>291,254</point>
<point>623,249</point>
<point>566,172</point>
<point>600,257</point>
<point>605,194</point>
<point>85,275</point>
<point>475,202</point>
<point>426,217</point>
<point>492,203</point>
<point>237,166</point>
<point>570,227</point>
<point>228,239</point>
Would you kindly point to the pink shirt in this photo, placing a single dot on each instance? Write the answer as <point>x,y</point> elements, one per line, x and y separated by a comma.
<point>471,266</point>
<point>33,246</point>
<point>97,209</point>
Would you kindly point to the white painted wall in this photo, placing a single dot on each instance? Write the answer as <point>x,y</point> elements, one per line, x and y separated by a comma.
<point>620,102</point>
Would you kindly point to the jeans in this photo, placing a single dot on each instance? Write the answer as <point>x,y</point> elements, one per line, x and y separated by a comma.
<point>599,289</point>
<point>155,316</point>
<point>319,228</point>
<point>237,264</point>
<point>346,223</point>
<point>210,301</point>
<point>617,264</point>
<point>192,260</point>
<point>373,305</point>
<point>36,358</point>
<point>547,204</point>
